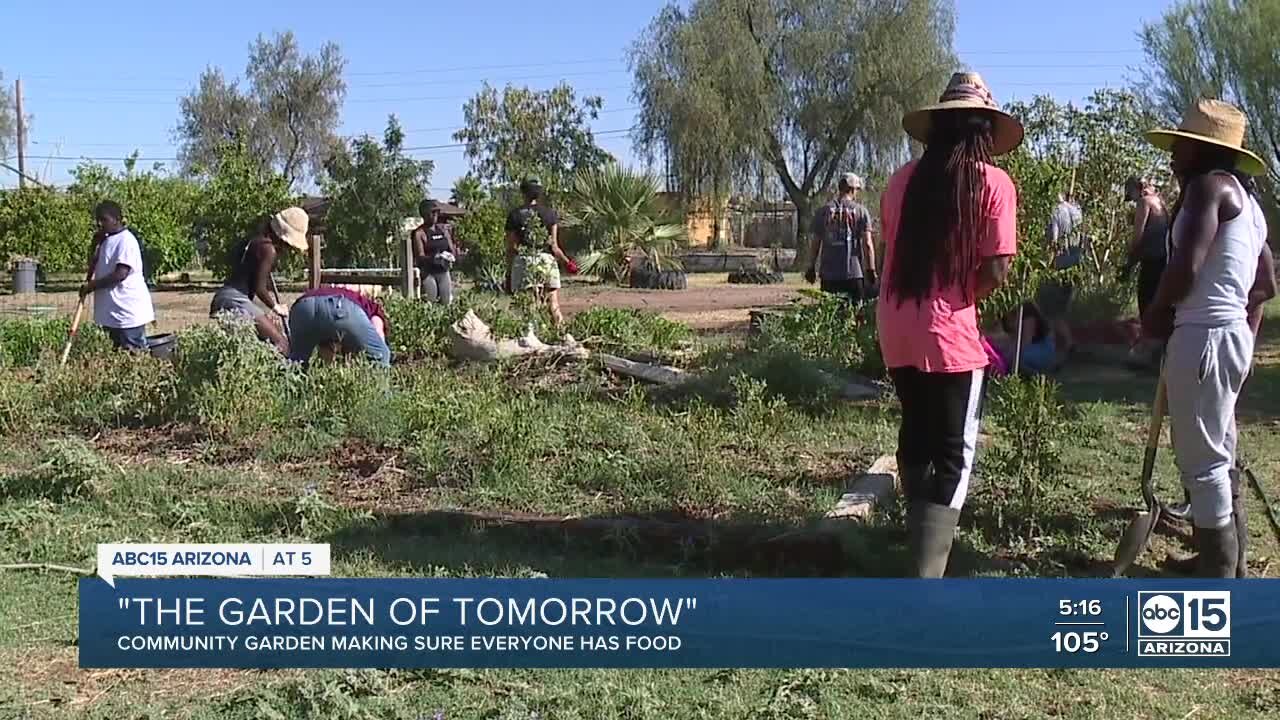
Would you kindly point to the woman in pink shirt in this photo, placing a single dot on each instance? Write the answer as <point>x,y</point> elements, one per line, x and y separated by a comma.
<point>952,217</point>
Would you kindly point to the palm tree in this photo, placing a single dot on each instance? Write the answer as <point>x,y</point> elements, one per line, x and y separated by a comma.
<point>624,219</point>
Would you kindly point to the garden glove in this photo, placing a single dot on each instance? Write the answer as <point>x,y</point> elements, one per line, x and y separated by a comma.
<point>571,267</point>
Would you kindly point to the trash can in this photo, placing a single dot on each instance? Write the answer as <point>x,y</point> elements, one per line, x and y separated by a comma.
<point>24,277</point>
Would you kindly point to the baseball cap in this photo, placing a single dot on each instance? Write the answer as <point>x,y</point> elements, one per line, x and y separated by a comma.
<point>853,180</point>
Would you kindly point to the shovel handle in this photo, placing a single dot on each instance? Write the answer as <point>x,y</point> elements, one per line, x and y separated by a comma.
<point>1158,407</point>
<point>71,336</point>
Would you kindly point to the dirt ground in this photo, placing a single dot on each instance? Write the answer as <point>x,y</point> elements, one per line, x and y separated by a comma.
<point>710,305</point>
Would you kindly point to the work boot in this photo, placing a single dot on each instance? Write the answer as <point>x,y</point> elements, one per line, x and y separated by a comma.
<point>1219,552</point>
<point>932,530</point>
<point>1240,514</point>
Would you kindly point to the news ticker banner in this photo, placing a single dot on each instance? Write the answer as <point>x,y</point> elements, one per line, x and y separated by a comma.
<point>270,622</point>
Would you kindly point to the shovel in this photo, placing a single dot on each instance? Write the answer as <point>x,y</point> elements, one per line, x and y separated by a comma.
<point>1138,534</point>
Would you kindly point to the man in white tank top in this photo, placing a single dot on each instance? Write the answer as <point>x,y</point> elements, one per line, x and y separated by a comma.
<point>1209,307</point>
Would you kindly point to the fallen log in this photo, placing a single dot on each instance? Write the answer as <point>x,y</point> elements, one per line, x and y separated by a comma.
<point>659,374</point>
<point>471,339</point>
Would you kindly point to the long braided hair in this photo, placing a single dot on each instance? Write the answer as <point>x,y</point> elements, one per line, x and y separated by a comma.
<point>940,223</point>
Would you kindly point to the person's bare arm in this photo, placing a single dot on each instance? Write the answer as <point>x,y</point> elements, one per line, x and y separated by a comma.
<point>554,237</point>
<point>1263,290</point>
<point>419,239</point>
<point>869,252</point>
<point>992,274</point>
<point>111,279</point>
<point>1140,216</point>
<point>379,326</point>
<point>1207,201</point>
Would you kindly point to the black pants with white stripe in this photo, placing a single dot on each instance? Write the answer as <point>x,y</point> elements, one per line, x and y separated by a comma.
<point>939,429</point>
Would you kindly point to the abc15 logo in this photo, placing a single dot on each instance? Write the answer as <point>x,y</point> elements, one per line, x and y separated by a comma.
<point>1200,614</point>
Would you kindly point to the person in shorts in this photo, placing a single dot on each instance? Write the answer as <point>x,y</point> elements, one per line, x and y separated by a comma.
<point>533,249</point>
<point>121,301</point>
<point>434,253</point>
<point>843,254</point>
<point>252,262</point>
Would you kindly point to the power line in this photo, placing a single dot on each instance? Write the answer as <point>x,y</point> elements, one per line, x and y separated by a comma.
<point>415,148</point>
<point>437,98</point>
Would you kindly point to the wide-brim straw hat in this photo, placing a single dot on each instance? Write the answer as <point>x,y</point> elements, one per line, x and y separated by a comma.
<point>967,92</point>
<point>1217,123</point>
<point>291,225</point>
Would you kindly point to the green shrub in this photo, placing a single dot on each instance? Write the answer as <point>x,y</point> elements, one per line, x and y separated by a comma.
<point>349,397</point>
<point>113,389</point>
<point>628,330</point>
<point>482,233</point>
<point>829,329</point>
<point>1024,474</point>
<point>70,469</point>
<point>232,383</point>
<point>24,342</point>
<point>418,330</point>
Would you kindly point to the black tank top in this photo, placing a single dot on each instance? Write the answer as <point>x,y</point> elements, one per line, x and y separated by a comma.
<point>1154,236</point>
<point>436,242</point>
<point>245,257</point>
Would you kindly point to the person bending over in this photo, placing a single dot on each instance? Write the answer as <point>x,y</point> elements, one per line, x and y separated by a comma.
<point>252,261</point>
<point>335,320</point>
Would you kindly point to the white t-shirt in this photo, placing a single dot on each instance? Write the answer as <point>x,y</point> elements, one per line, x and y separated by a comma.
<point>128,303</point>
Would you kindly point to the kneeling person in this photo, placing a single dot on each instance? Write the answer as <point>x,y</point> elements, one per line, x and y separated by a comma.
<point>336,319</point>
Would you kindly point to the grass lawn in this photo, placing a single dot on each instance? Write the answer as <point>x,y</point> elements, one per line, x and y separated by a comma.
<point>440,471</point>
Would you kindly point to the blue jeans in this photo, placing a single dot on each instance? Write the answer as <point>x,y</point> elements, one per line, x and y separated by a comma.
<point>325,319</point>
<point>134,338</point>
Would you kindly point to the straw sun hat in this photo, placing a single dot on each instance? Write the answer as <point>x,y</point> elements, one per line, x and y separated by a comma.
<point>1213,122</point>
<point>291,225</point>
<point>967,91</point>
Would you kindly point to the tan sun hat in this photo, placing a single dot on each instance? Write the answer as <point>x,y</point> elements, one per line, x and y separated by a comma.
<point>967,91</point>
<point>291,225</point>
<point>1216,123</point>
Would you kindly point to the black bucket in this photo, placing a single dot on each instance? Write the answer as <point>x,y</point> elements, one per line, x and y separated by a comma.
<point>162,346</point>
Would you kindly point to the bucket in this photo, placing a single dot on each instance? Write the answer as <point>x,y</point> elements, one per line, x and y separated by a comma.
<point>24,277</point>
<point>163,345</point>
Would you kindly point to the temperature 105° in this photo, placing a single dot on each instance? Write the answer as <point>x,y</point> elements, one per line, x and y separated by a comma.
<point>1074,641</point>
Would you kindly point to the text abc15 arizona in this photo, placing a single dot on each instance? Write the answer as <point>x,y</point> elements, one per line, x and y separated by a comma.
<point>1184,624</point>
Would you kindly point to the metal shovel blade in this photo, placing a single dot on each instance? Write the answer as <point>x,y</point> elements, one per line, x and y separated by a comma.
<point>1135,539</point>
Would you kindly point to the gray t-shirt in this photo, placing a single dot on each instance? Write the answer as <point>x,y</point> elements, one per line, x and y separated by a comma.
<point>1066,221</point>
<point>841,224</point>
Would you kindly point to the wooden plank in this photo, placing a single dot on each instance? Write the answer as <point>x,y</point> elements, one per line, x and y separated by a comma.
<point>871,489</point>
<point>315,268</point>
<point>660,374</point>
<point>407,285</point>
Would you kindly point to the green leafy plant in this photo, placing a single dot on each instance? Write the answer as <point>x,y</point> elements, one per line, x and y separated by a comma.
<point>828,328</point>
<point>1024,473</point>
<point>238,191</point>
<point>233,384</point>
<point>71,468</point>
<point>619,211</point>
<point>628,330</point>
<point>375,186</point>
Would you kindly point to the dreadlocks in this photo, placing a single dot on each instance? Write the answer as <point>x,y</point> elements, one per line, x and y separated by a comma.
<point>940,219</point>
<point>1212,159</point>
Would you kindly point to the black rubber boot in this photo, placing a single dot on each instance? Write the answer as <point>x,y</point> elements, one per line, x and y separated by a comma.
<point>1219,552</point>
<point>933,530</point>
<point>1240,514</point>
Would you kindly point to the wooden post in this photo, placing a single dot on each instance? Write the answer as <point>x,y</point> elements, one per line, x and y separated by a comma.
<point>22,135</point>
<point>314,263</point>
<point>407,286</point>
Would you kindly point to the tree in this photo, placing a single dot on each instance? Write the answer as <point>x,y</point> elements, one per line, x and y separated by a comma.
<point>159,207</point>
<point>239,192</point>
<point>802,88</point>
<point>620,212</point>
<point>1221,49</point>
<point>8,121</point>
<point>287,117</point>
<point>373,187</point>
<point>525,132</point>
<point>1089,151</point>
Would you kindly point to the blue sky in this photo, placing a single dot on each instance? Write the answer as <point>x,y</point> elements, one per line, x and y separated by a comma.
<point>103,79</point>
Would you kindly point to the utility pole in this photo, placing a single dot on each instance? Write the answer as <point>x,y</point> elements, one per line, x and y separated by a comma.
<point>22,135</point>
